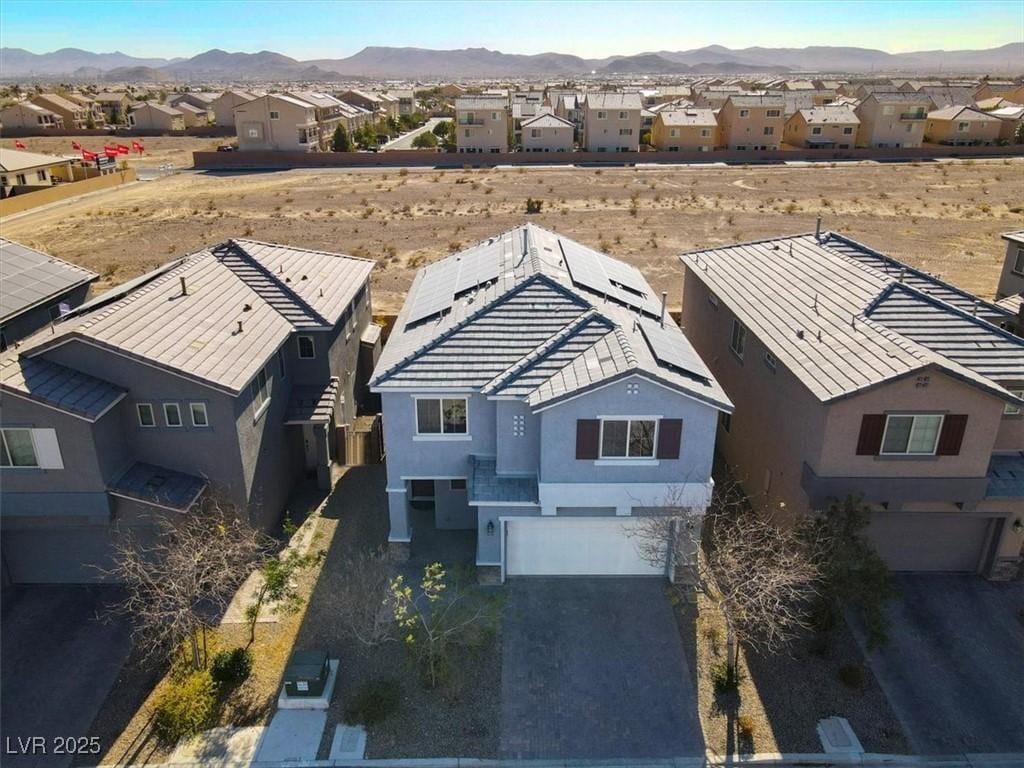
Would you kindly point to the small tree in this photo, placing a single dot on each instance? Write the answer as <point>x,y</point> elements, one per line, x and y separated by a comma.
<point>340,141</point>
<point>360,597</point>
<point>441,129</point>
<point>425,140</point>
<point>277,586</point>
<point>534,206</point>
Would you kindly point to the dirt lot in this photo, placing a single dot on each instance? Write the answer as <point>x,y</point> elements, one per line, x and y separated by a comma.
<point>160,150</point>
<point>944,217</point>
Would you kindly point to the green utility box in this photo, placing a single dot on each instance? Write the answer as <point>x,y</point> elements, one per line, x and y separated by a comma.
<point>306,673</point>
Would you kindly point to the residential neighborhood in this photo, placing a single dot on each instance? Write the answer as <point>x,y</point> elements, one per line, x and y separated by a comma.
<point>382,386</point>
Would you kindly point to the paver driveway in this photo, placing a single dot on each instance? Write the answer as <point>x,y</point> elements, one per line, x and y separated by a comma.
<point>953,668</point>
<point>594,668</point>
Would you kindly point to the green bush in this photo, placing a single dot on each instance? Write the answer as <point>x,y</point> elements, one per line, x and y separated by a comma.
<point>231,667</point>
<point>852,676</point>
<point>533,206</point>
<point>373,702</point>
<point>185,708</point>
<point>724,679</point>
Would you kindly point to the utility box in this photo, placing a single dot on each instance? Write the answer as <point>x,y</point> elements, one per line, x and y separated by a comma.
<point>306,674</point>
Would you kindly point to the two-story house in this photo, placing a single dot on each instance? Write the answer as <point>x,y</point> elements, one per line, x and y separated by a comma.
<point>277,122</point>
<point>231,372</point>
<point>482,124</point>
<point>962,126</point>
<point>223,106</point>
<point>690,129</point>
<point>74,116</point>
<point>856,375</point>
<point>25,114</point>
<point>547,132</point>
<point>752,121</point>
<point>535,390</point>
<point>156,117</point>
<point>612,122</point>
<point>892,119</point>
<point>828,127</point>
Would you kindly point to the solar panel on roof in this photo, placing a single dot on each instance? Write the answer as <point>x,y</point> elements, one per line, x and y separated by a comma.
<point>436,290</point>
<point>670,347</point>
<point>481,265</point>
<point>603,275</point>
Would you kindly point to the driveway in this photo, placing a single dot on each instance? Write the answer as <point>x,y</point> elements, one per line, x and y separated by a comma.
<point>58,664</point>
<point>953,668</point>
<point>405,140</point>
<point>594,668</point>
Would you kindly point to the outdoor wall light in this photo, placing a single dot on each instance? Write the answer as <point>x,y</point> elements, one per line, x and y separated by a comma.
<point>1017,526</point>
<point>490,527</point>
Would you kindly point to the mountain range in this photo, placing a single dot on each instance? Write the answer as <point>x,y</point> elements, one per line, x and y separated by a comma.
<point>423,63</point>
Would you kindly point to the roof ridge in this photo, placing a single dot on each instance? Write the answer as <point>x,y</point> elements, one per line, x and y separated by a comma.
<point>627,348</point>
<point>296,248</point>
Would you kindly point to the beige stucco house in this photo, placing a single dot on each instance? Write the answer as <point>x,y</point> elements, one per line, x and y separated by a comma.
<point>855,375</point>
<point>1011,280</point>
<point>28,115</point>
<point>960,125</point>
<point>691,129</point>
<point>25,171</point>
<point>892,119</point>
<point>828,127</point>
<point>1011,118</point>
<point>114,105</point>
<point>277,122</point>
<point>482,124</point>
<point>752,121</point>
<point>193,116</point>
<point>612,122</point>
<point>224,105</point>
<point>156,117</point>
<point>74,115</point>
<point>1008,89</point>
<point>547,132</point>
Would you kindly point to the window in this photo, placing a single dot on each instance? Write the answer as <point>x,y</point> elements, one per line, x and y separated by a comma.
<point>744,113</point>
<point>602,115</point>
<point>773,113</point>
<point>21,179</point>
<point>198,411</point>
<point>673,132</point>
<point>260,390</point>
<point>275,115</point>
<point>816,130</point>
<point>848,130</point>
<point>769,360</point>
<point>769,130</point>
<point>623,116</point>
<point>494,115</point>
<point>712,300</point>
<point>441,416</point>
<point>172,414</point>
<point>727,421</point>
<point>914,435</point>
<point>17,449</point>
<point>41,175</point>
<point>458,484</point>
<point>625,131</point>
<point>739,338</point>
<point>1018,262</point>
<point>145,414</point>
<point>421,490</point>
<point>705,133</point>
<point>535,133</point>
<point>888,110</point>
<point>628,438</point>
<point>307,350</point>
<point>1013,410</point>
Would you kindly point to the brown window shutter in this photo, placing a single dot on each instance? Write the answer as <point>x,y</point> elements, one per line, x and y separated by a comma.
<point>952,434</point>
<point>588,433</point>
<point>872,427</point>
<point>670,431</point>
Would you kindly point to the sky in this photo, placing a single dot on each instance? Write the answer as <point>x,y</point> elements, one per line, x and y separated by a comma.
<point>337,28</point>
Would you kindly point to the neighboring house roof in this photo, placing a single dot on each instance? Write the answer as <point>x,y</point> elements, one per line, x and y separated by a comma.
<point>535,315</point>
<point>945,95</point>
<point>270,290</point>
<point>606,100</point>
<point>830,114</point>
<point>1009,113</point>
<point>1017,236</point>
<point>894,97</point>
<point>481,102</point>
<point>837,322</point>
<point>290,99</point>
<point>310,404</point>
<point>683,117</point>
<point>184,106</point>
<point>57,386</point>
<point>994,102</point>
<point>546,120</point>
<point>32,108</point>
<point>758,100</point>
<point>962,113</point>
<point>322,100</point>
<point>29,278</point>
<point>56,100</point>
<point>13,160</point>
<point>171,111</point>
<point>107,97</point>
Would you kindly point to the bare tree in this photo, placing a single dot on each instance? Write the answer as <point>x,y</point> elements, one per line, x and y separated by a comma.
<point>178,585</point>
<point>361,598</point>
<point>762,576</point>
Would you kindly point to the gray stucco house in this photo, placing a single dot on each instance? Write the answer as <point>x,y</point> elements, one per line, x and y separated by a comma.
<point>35,289</point>
<point>534,389</point>
<point>231,371</point>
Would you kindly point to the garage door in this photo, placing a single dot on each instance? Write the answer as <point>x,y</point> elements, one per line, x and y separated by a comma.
<point>553,546</point>
<point>929,542</point>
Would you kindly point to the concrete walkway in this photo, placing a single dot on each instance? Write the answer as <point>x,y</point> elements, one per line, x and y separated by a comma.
<point>406,139</point>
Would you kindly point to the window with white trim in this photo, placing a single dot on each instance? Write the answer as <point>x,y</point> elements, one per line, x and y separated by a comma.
<point>275,115</point>
<point>172,414</point>
<point>912,435</point>
<point>145,413</point>
<point>773,113</point>
<point>1018,262</point>
<point>848,130</point>
<point>441,416</point>
<point>739,338</point>
<point>602,115</point>
<point>1011,409</point>
<point>628,438</point>
<point>307,349</point>
<point>198,414</point>
<point>769,130</point>
<point>623,116</point>
<point>816,130</point>
<point>260,390</point>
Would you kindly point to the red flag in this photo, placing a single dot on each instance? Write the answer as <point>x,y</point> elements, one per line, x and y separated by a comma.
<point>110,149</point>
<point>137,147</point>
<point>111,153</point>
<point>75,145</point>
<point>122,149</point>
<point>87,155</point>
<point>19,144</point>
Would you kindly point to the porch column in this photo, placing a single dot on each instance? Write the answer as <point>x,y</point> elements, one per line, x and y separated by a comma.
<point>400,534</point>
<point>323,456</point>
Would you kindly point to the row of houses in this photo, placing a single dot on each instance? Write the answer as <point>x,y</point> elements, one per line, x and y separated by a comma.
<point>532,389</point>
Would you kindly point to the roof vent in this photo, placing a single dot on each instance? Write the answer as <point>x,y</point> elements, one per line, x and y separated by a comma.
<point>247,307</point>
<point>800,333</point>
<point>239,326</point>
<point>817,230</point>
<point>184,287</point>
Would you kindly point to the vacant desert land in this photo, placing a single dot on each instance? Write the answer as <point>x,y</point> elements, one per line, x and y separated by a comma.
<point>160,150</point>
<point>944,217</point>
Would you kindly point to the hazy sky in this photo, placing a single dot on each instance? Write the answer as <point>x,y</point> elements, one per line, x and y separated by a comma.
<point>334,29</point>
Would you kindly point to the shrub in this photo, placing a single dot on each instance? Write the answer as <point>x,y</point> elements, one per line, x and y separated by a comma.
<point>745,726</point>
<point>724,679</point>
<point>533,206</point>
<point>231,667</point>
<point>373,702</point>
<point>852,676</point>
<point>185,708</point>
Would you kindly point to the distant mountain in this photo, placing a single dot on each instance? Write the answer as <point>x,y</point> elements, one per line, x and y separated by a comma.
<point>135,75</point>
<point>424,63</point>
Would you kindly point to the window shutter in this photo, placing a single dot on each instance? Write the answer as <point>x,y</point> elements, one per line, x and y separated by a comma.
<point>588,432</point>
<point>872,427</point>
<point>670,431</point>
<point>47,449</point>
<point>952,435</point>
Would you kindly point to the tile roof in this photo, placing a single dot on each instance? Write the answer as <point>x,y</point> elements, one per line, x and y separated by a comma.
<point>29,278</point>
<point>606,100</point>
<point>271,290</point>
<point>830,114</point>
<point>312,404</point>
<point>12,160</point>
<point>758,100</point>
<point>889,97</point>
<point>957,113</point>
<point>160,486</point>
<point>57,386</point>
<point>481,102</point>
<point>547,120</point>
<point>694,116</point>
<point>487,485</point>
<point>1006,476</point>
<point>534,307</point>
<point>945,95</point>
<point>810,303</point>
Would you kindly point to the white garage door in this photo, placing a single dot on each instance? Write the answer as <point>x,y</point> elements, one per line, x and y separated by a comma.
<point>929,542</point>
<point>554,546</point>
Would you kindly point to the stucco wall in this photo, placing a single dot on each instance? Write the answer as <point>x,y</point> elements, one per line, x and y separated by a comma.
<point>518,444</point>
<point>31,321</point>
